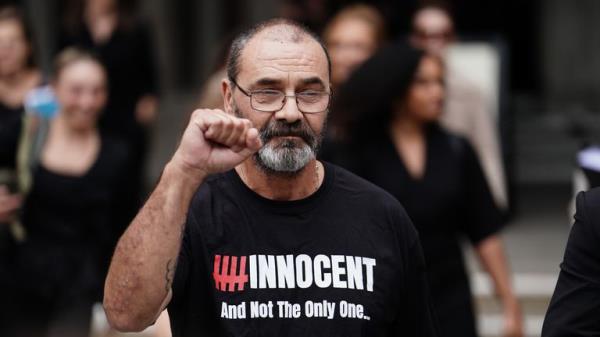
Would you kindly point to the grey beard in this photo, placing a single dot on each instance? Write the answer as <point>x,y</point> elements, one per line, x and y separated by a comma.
<point>287,158</point>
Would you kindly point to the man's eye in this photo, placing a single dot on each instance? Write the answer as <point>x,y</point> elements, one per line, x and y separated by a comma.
<point>267,92</point>
<point>310,96</point>
<point>264,96</point>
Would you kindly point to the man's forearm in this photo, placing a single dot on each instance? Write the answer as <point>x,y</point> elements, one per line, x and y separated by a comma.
<point>139,281</point>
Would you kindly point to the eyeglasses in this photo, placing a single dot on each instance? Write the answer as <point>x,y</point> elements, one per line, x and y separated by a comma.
<point>268,100</point>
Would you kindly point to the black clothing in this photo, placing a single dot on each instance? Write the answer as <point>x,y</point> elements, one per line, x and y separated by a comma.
<point>128,58</point>
<point>349,244</point>
<point>451,199</point>
<point>575,306</point>
<point>71,224</point>
<point>10,122</point>
<point>71,219</point>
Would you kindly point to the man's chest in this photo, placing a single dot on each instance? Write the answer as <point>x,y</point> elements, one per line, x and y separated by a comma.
<point>313,273</point>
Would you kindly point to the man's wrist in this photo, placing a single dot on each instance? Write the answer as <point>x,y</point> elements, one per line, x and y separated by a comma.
<point>190,177</point>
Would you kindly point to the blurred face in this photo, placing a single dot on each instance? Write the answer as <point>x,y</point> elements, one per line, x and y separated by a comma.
<point>270,64</point>
<point>101,6</point>
<point>426,94</point>
<point>433,30</point>
<point>80,89</point>
<point>14,49</point>
<point>350,43</point>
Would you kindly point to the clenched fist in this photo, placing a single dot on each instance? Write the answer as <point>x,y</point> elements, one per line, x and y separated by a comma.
<point>214,142</point>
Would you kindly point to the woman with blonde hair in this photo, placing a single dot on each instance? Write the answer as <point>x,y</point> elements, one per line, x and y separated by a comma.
<point>75,195</point>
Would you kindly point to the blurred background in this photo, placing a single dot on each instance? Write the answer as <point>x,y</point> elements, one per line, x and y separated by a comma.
<point>539,61</point>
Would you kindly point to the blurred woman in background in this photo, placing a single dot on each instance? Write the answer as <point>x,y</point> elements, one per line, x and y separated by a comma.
<point>18,75</point>
<point>112,30</point>
<point>396,99</point>
<point>351,37</point>
<point>69,210</point>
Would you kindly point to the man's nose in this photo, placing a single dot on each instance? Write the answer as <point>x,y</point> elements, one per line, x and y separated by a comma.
<point>290,112</point>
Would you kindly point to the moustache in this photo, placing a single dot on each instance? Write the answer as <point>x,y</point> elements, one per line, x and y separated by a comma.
<point>282,129</point>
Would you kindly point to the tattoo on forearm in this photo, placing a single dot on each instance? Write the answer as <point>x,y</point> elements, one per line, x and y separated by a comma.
<point>172,266</point>
<point>169,275</point>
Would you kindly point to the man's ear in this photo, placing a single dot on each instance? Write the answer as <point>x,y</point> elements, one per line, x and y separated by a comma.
<point>227,92</point>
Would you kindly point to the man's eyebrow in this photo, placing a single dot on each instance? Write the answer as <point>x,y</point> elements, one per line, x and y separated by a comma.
<point>312,80</point>
<point>266,81</point>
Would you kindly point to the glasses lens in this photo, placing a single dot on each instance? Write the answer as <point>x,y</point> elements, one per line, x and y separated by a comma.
<point>312,102</point>
<point>273,100</point>
<point>267,100</point>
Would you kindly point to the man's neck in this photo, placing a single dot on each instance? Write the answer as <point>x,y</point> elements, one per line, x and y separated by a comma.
<point>282,187</point>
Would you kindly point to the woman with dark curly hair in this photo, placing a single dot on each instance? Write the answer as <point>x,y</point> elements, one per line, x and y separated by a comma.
<point>394,101</point>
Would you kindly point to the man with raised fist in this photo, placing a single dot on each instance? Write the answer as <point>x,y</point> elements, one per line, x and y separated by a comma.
<point>247,234</point>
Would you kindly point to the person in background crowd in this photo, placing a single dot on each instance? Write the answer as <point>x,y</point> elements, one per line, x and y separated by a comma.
<point>575,305</point>
<point>351,37</point>
<point>466,111</point>
<point>110,29</point>
<point>396,99</point>
<point>68,213</point>
<point>18,75</point>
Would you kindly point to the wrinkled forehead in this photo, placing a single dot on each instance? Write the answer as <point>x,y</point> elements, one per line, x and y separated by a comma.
<point>282,57</point>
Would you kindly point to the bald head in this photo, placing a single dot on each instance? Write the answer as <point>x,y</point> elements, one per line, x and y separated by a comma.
<point>276,31</point>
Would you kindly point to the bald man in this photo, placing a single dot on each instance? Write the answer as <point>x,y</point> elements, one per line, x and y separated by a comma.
<point>247,234</point>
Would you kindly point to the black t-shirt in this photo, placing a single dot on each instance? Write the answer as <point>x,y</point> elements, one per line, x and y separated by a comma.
<point>575,306</point>
<point>345,261</point>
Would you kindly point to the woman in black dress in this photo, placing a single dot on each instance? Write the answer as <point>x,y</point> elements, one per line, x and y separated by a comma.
<point>112,31</point>
<point>395,100</point>
<point>69,212</point>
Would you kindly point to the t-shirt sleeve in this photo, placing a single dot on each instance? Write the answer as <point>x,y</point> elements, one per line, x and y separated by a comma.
<point>575,306</point>
<point>416,316</point>
<point>482,217</point>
